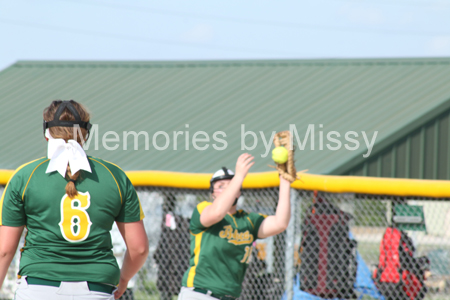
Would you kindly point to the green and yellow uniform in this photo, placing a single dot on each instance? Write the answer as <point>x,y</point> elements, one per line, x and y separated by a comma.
<point>220,254</point>
<point>69,239</point>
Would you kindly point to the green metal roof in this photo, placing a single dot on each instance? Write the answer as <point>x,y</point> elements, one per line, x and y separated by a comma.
<point>419,150</point>
<point>384,95</point>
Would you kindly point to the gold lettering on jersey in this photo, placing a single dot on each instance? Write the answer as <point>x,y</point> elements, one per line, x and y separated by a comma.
<point>235,237</point>
<point>75,223</point>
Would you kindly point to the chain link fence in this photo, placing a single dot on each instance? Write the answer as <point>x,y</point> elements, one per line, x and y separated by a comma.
<point>310,257</point>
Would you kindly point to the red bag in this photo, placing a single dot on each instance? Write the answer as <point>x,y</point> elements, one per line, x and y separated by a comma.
<point>400,276</point>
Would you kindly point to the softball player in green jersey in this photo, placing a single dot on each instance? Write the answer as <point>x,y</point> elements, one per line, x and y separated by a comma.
<point>68,202</point>
<point>222,237</point>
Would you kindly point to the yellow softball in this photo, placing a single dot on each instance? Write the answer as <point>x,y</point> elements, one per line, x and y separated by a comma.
<point>280,155</point>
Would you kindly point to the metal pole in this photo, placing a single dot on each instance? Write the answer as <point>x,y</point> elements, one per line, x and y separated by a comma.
<point>290,249</point>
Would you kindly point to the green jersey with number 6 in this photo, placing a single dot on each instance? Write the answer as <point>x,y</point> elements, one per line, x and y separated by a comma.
<point>69,239</point>
<point>220,254</point>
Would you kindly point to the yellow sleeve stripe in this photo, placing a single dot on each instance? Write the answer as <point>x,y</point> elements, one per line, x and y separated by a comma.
<point>191,274</point>
<point>112,177</point>
<point>141,212</point>
<point>23,194</point>
<point>201,206</point>
<point>6,187</point>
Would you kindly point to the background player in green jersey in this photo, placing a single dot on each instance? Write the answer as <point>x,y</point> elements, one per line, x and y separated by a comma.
<point>222,237</point>
<point>68,203</point>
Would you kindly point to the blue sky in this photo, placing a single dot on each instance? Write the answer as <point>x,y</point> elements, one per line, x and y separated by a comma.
<point>221,30</point>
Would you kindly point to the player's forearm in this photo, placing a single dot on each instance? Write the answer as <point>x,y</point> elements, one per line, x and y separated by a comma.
<point>9,240</point>
<point>283,212</point>
<point>133,261</point>
<point>278,222</point>
<point>5,261</point>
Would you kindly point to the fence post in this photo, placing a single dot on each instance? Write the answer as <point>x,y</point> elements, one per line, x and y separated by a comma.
<point>290,248</point>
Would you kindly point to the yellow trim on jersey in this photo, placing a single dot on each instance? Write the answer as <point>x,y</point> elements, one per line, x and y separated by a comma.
<point>234,220</point>
<point>251,222</point>
<point>111,163</point>
<point>201,206</point>
<point>141,212</point>
<point>23,194</point>
<point>198,243</point>
<point>118,187</point>
<point>4,192</point>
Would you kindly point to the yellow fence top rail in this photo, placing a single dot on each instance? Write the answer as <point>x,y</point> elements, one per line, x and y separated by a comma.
<point>324,183</point>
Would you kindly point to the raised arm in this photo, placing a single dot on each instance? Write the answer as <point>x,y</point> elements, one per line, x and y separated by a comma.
<point>273,225</point>
<point>9,240</point>
<point>215,212</point>
<point>137,251</point>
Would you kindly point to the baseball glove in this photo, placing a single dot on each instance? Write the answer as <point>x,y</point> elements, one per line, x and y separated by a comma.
<point>286,170</point>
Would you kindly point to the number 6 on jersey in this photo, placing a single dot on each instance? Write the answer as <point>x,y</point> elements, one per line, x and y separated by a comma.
<point>75,222</point>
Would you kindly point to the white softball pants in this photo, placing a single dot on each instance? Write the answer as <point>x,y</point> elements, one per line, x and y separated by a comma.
<point>189,294</point>
<point>66,291</point>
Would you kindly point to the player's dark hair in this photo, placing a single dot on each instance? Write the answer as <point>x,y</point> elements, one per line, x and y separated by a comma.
<point>67,133</point>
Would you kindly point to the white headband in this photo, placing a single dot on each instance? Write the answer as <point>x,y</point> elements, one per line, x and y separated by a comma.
<point>62,153</point>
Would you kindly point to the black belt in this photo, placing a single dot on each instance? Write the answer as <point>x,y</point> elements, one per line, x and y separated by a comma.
<point>206,292</point>
<point>93,286</point>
